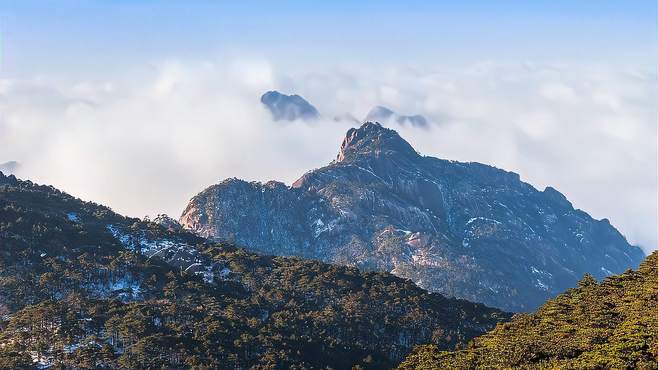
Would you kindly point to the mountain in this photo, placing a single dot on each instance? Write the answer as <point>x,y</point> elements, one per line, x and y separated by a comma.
<point>288,107</point>
<point>9,167</point>
<point>462,229</point>
<point>347,118</point>
<point>84,287</point>
<point>611,325</point>
<point>385,115</point>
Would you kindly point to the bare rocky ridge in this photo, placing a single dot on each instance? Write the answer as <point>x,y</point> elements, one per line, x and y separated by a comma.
<point>463,229</point>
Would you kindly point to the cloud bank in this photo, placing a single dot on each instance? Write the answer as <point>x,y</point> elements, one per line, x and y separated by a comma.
<point>146,145</point>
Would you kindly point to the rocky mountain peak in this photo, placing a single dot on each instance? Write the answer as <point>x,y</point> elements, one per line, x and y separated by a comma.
<point>463,229</point>
<point>372,139</point>
<point>7,178</point>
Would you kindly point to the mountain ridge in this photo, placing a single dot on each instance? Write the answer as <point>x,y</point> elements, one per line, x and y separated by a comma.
<point>463,229</point>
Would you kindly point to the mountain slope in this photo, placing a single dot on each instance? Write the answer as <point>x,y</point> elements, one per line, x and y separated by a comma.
<point>463,229</point>
<point>83,287</point>
<point>612,325</point>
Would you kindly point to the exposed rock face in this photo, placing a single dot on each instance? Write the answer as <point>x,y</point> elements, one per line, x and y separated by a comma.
<point>463,229</point>
<point>385,115</point>
<point>288,107</point>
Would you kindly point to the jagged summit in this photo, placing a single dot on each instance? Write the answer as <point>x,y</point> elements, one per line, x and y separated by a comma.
<point>8,178</point>
<point>373,139</point>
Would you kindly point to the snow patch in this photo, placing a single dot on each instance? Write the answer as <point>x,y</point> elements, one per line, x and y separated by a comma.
<point>319,227</point>
<point>541,285</point>
<point>481,219</point>
<point>73,217</point>
<point>405,232</point>
<point>176,253</point>
<point>121,237</point>
<point>39,361</point>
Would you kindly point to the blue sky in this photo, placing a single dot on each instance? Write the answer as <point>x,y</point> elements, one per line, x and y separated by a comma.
<point>86,37</point>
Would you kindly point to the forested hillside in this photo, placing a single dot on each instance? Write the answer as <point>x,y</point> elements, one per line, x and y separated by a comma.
<point>611,325</point>
<point>83,287</point>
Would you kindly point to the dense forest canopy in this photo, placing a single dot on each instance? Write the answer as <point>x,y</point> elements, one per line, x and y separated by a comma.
<point>607,325</point>
<point>83,287</point>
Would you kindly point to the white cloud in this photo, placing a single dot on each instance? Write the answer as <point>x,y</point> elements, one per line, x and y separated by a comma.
<point>559,92</point>
<point>147,145</point>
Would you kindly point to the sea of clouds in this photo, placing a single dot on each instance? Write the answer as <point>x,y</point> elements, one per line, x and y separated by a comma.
<point>145,145</point>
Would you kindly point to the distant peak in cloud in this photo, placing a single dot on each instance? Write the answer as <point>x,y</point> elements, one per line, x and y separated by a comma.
<point>379,112</point>
<point>386,115</point>
<point>9,168</point>
<point>288,107</point>
<point>347,117</point>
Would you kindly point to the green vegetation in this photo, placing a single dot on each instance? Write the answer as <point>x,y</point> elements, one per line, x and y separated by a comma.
<point>611,325</point>
<point>72,295</point>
